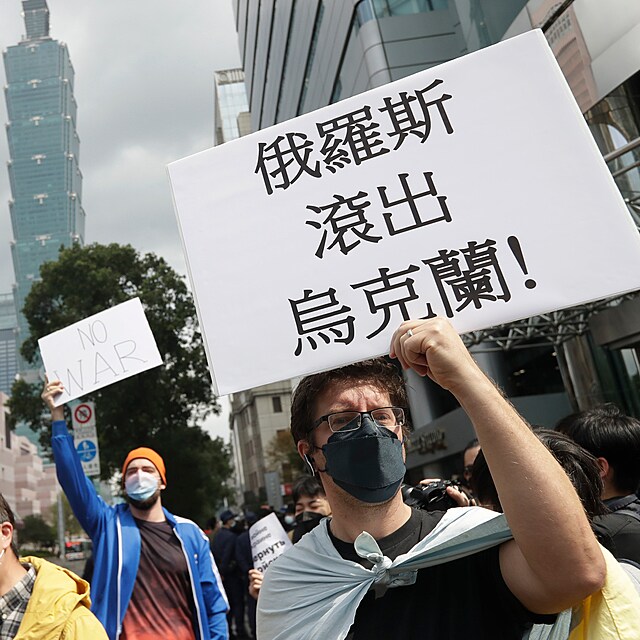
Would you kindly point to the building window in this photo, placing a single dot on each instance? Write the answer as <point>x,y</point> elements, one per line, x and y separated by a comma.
<point>311,56</point>
<point>277,404</point>
<point>367,10</point>
<point>285,62</point>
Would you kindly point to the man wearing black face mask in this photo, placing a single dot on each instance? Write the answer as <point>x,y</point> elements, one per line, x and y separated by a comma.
<point>311,505</point>
<point>340,582</point>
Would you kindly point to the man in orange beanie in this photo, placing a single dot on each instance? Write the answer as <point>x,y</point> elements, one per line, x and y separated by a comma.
<point>154,575</point>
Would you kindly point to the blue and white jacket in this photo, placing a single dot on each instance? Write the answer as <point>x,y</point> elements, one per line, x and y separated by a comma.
<point>116,549</point>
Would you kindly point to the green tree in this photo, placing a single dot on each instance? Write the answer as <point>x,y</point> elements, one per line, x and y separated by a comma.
<point>282,455</point>
<point>69,521</point>
<point>161,408</point>
<point>36,531</point>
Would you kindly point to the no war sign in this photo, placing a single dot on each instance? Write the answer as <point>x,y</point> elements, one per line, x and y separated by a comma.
<point>105,348</point>
<point>472,190</point>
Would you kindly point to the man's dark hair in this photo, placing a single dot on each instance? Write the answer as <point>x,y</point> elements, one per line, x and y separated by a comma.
<point>608,433</point>
<point>376,372</point>
<point>581,467</point>
<point>6,515</point>
<point>307,486</point>
<point>470,445</point>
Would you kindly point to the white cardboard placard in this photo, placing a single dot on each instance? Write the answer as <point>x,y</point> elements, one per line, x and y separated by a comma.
<point>268,541</point>
<point>472,190</point>
<point>102,349</point>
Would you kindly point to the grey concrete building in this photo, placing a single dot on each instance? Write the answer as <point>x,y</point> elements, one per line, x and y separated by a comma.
<point>257,417</point>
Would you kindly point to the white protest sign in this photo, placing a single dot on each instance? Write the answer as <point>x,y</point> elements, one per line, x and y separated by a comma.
<point>472,190</point>
<point>268,541</point>
<point>85,437</point>
<point>105,348</point>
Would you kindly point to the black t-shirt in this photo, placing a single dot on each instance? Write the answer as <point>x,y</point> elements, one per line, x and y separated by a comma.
<point>458,600</point>
<point>161,604</point>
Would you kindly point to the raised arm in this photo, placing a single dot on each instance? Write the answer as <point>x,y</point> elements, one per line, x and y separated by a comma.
<point>87,506</point>
<point>554,560</point>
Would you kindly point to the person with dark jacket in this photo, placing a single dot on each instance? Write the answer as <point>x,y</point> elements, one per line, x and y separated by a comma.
<point>614,439</point>
<point>244,558</point>
<point>153,575</point>
<point>224,553</point>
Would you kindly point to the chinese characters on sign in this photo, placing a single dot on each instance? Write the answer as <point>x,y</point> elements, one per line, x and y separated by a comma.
<point>468,276</point>
<point>351,138</point>
<point>338,223</point>
<point>344,223</point>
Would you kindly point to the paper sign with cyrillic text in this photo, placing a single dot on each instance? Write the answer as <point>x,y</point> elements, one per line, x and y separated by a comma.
<point>268,541</point>
<point>105,348</point>
<point>472,190</point>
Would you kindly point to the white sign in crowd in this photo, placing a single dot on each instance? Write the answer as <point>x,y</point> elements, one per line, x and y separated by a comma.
<point>472,190</point>
<point>102,349</point>
<point>268,541</point>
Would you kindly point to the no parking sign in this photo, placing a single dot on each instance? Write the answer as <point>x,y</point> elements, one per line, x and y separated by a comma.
<point>84,415</point>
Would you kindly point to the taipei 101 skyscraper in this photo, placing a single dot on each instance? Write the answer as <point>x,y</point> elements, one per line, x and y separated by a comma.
<point>46,183</point>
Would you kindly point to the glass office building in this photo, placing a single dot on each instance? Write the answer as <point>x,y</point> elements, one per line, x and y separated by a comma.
<point>8,351</point>
<point>301,55</point>
<point>46,183</point>
<point>231,108</point>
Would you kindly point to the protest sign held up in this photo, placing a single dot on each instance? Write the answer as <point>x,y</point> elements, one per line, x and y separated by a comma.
<point>268,541</point>
<point>105,348</point>
<point>472,190</point>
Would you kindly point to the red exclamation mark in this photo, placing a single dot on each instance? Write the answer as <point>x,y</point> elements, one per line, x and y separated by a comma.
<point>514,245</point>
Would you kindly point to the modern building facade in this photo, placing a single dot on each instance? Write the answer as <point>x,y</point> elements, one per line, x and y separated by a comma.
<point>231,109</point>
<point>8,346</point>
<point>302,55</point>
<point>46,182</point>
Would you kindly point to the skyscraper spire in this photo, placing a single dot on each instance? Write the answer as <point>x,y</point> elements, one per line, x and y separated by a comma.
<point>46,182</point>
<point>36,19</point>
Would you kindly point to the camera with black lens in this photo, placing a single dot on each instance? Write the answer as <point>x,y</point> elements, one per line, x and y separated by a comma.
<point>430,497</point>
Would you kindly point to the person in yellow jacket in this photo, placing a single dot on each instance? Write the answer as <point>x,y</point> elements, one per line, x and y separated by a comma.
<point>38,599</point>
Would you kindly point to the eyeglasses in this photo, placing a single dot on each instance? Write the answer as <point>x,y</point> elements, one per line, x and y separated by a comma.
<point>391,418</point>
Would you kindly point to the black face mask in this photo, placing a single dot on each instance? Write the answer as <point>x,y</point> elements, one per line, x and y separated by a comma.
<point>305,522</point>
<point>366,463</point>
<point>309,516</point>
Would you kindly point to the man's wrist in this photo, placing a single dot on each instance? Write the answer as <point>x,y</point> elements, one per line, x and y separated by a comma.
<point>472,386</point>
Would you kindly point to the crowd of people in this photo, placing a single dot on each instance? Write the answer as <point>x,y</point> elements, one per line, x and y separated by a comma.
<point>544,542</point>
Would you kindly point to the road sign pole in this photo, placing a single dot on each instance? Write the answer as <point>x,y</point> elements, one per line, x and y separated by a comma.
<point>61,539</point>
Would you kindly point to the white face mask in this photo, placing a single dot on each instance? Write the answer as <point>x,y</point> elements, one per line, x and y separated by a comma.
<point>140,486</point>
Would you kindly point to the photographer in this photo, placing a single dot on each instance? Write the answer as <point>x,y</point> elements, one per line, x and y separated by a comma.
<point>434,494</point>
<point>391,582</point>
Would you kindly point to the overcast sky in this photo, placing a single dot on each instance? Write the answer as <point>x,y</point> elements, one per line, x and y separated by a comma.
<point>144,88</point>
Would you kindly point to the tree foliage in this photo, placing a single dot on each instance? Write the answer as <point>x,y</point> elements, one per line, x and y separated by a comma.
<point>282,455</point>
<point>161,408</point>
<point>36,531</point>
